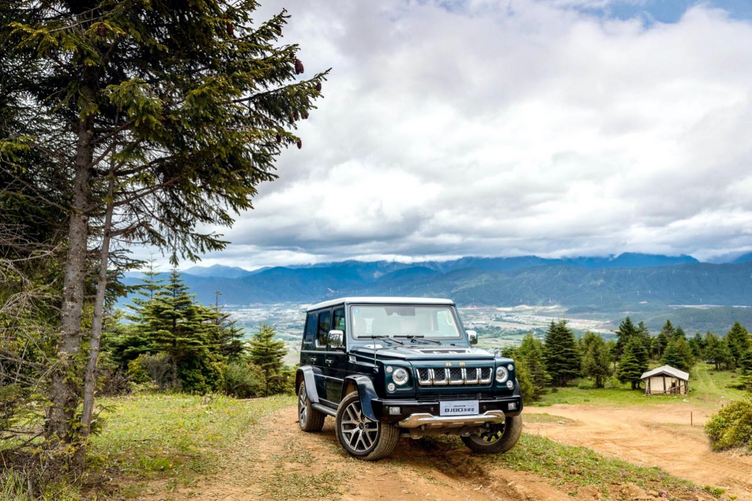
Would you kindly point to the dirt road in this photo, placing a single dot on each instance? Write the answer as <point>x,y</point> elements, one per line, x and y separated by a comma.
<point>277,461</point>
<point>650,436</point>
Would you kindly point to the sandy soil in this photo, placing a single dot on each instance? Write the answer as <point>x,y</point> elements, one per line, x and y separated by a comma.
<point>278,461</point>
<point>650,436</point>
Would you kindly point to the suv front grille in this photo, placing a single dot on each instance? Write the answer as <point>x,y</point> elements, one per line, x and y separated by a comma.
<point>454,376</point>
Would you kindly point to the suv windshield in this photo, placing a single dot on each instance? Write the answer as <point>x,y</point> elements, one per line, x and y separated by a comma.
<point>409,320</point>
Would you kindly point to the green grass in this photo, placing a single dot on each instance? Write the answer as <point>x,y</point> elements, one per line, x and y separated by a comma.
<point>565,464</point>
<point>149,434</point>
<point>708,388</point>
<point>573,468</point>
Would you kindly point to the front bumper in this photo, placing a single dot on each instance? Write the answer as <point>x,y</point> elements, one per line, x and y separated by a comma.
<point>428,421</point>
<point>385,409</point>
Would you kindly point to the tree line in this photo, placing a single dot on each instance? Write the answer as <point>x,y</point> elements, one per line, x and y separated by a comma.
<point>170,341</point>
<point>561,357</point>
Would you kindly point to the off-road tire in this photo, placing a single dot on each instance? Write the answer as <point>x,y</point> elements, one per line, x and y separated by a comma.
<point>481,444</point>
<point>309,418</point>
<point>374,445</point>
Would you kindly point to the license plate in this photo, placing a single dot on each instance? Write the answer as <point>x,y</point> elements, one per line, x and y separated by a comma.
<point>459,408</point>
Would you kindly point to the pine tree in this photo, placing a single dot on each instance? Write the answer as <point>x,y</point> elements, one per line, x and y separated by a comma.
<point>181,328</point>
<point>716,351</point>
<point>267,354</point>
<point>595,360</point>
<point>532,353</point>
<point>737,340</point>
<point>659,344</point>
<point>679,333</point>
<point>697,344</point>
<point>624,334</point>
<point>745,377</point>
<point>678,354</point>
<point>630,368</point>
<point>562,356</point>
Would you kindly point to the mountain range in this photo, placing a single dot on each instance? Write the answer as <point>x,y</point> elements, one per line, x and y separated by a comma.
<point>585,284</point>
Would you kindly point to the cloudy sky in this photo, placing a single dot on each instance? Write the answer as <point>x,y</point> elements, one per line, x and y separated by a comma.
<point>508,127</point>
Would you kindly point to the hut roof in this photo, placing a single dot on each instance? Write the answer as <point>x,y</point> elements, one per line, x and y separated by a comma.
<point>666,370</point>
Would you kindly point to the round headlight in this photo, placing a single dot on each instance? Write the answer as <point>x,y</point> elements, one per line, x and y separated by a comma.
<point>510,384</point>
<point>389,369</point>
<point>391,387</point>
<point>400,376</point>
<point>501,374</point>
<point>510,367</point>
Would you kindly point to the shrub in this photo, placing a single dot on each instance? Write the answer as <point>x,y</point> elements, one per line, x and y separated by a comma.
<point>243,380</point>
<point>151,368</point>
<point>732,426</point>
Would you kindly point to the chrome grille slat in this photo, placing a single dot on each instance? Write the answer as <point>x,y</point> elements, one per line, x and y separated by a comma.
<point>454,376</point>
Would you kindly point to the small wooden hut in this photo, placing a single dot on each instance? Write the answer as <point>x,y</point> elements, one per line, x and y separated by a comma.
<point>666,380</point>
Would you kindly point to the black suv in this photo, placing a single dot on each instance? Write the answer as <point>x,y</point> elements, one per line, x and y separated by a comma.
<point>391,367</point>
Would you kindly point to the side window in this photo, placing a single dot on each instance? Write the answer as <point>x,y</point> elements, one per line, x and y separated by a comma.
<point>312,325</point>
<point>325,325</point>
<point>339,320</point>
<point>338,323</point>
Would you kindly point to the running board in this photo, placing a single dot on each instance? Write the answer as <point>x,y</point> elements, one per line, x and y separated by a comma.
<point>325,409</point>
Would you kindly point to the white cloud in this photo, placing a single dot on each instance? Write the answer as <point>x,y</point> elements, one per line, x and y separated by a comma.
<point>510,127</point>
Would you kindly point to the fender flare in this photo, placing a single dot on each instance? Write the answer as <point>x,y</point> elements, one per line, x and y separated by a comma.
<point>305,374</point>
<point>366,392</point>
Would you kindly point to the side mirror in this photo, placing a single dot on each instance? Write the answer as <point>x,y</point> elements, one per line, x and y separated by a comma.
<point>336,339</point>
<point>472,336</point>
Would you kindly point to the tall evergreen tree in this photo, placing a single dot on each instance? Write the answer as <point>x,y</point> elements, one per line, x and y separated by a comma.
<point>532,352</point>
<point>562,356</point>
<point>158,117</point>
<point>679,333</point>
<point>595,359</point>
<point>659,344</point>
<point>267,354</point>
<point>737,340</point>
<point>182,329</point>
<point>678,354</point>
<point>630,368</point>
<point>624,334</point>
<point>717,352</point>
<point>697,344</point>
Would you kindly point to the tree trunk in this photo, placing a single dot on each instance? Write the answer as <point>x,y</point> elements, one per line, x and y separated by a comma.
<point>90,377</point>
<point>64,389</point>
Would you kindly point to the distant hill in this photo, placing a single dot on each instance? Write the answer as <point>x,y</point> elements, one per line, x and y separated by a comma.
<point>630,282</point>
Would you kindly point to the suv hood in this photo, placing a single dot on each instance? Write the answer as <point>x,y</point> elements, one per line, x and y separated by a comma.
<point>424,352</point>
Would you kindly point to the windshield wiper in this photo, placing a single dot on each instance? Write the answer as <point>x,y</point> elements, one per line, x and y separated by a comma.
<point>382,336</point>
<point>415,338</point>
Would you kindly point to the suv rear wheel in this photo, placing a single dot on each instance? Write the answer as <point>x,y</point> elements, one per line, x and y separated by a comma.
<point>361,437</point>
<point>498,439</point>
<point>309,418</point>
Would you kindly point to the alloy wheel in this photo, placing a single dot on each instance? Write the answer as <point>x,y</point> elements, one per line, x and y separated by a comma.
<point>359,432</point>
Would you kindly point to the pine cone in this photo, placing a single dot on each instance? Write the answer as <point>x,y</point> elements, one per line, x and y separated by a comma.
<point>100,30</point>
<point>277,29</point>
<point>279,138</point>
<point>296,116</point>
<point>318,86</point>
<point>300,143</point>
<point>299,67</point>
<point>231,30</point>
<point>305,115</point>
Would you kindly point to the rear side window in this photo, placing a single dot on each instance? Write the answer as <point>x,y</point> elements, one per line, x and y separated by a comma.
<point>325,325</point>
<point>312,321</point>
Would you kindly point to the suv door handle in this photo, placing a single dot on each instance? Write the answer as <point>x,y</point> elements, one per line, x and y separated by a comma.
<point>313,360</point>
<point>328,361</point>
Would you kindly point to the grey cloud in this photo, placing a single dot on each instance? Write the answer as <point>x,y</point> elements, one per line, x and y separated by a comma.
<point>510,127</point>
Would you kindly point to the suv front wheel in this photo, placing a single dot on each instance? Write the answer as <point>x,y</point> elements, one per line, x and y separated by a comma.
<point>498,439</point>
<point>361,437</point>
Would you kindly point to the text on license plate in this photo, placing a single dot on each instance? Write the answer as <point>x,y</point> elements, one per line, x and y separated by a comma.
<point>460,408</point>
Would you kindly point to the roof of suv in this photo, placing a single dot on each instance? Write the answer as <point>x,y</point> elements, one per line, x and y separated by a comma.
<point>380,300</point>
